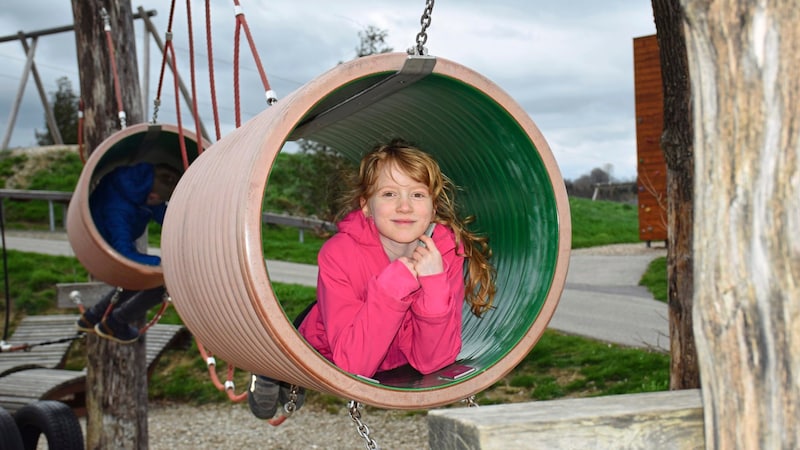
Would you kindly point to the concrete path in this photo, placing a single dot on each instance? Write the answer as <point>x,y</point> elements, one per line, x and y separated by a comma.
<point>601,300</point>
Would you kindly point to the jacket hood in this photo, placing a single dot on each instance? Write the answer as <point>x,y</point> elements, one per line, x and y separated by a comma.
<point>134,182</point>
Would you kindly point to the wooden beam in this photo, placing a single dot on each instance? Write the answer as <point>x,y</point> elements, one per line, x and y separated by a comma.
<point>670,419</point>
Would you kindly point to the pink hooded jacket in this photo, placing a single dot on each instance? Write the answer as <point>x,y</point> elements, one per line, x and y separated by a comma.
<point>372,315</point>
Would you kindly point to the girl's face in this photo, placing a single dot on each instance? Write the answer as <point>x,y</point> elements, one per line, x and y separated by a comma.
<point>401,207</point>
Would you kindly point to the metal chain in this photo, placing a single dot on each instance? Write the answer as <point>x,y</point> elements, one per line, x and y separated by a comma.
<point>156,105</point>
<point>363,429</point>
<point>291,406</point>
<point>422,36</point>
<point>470,401</point>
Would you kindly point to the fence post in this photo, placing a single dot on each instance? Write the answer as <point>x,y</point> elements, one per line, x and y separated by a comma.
<point>52,215</point>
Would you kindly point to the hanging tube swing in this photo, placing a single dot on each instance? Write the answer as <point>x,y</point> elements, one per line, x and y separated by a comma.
<point>212,254</point>
<point>153,143</point>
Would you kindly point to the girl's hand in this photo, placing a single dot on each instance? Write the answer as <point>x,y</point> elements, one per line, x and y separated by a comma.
<point>427,260</point>
<point>409,265</point>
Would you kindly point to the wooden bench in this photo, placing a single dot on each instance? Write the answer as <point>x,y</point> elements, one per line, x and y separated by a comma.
<point>36,329</point>
<point>20,387</point>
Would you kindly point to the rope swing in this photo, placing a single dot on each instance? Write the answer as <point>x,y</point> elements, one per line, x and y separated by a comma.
<point>212,253</point>
<point>154,143</point>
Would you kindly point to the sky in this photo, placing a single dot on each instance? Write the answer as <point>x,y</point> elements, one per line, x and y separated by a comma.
<point>568,64</point>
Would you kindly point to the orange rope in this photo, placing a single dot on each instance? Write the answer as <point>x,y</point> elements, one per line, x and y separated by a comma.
<point>167,44</point>
<point>112,57</point>
<point>241,24</point>
<point>194,83</point>
<point>211,82</point>
<point>228,387</point>
<point>155,318</point>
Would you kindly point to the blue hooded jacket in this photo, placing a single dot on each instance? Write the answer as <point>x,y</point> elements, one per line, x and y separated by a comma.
<point>120,211</point>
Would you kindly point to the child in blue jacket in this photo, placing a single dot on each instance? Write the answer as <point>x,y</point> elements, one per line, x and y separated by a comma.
<point>122,205</point>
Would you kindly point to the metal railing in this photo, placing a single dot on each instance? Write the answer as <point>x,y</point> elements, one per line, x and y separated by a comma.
<point>51,197</point>
<point>63,198</point>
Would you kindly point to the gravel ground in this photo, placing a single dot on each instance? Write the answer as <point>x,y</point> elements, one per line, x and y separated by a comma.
<point>233,426</point>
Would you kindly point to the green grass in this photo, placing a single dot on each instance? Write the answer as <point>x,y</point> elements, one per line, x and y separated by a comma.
<point>601,223</point>
<point>655,278</point>
<point>569,366</point>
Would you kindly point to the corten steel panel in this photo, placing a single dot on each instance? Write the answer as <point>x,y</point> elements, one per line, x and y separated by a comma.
<point>651,168</point>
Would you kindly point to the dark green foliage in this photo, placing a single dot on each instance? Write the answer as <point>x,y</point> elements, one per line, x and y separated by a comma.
<point>373,41</point>
<point>64,102</point>
<point>308,183</point>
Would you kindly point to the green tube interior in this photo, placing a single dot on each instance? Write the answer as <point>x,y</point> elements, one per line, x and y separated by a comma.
<point>504,183</point>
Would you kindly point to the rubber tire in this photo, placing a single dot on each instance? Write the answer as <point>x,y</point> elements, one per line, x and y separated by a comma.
<point>9,434</point>
<point>53,419</point>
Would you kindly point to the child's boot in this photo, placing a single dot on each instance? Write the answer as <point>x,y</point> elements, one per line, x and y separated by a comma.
<point>117,331</point>
<point>262,397</point>
<point>87,321</point>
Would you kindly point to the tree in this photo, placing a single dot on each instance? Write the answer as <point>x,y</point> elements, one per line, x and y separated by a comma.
<point>117,374</point>
<point>373,41</point>
<point>584,185</point>
<point>743,65</point>
<point>676,143</point>
<point>65,111</point>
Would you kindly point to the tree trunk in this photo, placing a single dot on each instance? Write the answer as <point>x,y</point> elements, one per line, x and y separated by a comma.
<point>676,143</point>
<point>116,378</point>
<point>744,69</point>
<point>97,83</point>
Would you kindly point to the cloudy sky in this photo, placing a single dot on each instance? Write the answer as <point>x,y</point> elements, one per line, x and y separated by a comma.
<point>568,64</point>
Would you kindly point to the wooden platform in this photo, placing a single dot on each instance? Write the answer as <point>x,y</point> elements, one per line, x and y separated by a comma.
<point>39,375</point>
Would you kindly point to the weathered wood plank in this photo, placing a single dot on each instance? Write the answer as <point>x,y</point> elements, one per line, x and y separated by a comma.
<point>671,420</point>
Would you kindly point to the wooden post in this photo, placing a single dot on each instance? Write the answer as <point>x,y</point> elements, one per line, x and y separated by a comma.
<point>116,378</point>
<point>744,69</point>
<point>50,118</point>
<point>12,117</point>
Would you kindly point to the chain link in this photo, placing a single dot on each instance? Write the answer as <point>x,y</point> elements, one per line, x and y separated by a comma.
<point>422,36</point>
<point>361,427</point>
<point>291,406</point>
<point>470,401</point>
<point>156,105</point>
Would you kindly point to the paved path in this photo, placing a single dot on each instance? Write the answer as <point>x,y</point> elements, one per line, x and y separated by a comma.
<point>601,299</point>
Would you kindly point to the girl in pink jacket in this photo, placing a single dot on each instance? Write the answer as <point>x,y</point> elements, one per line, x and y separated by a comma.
<point>387,294</point>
